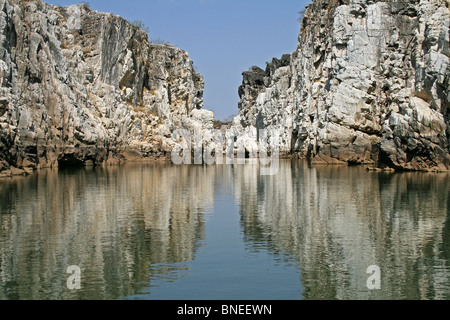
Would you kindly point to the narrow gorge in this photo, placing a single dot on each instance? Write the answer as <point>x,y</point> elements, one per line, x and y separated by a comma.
<point>369,83</point>
<point>330,181</point>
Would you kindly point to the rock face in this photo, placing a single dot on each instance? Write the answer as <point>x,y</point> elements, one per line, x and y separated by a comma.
<point>78,87</point>
<point>368,84</point>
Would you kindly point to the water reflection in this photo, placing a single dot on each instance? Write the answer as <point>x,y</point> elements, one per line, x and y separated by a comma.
<point>113,223</point>
<point>130,228</point>
<point>338,221</point>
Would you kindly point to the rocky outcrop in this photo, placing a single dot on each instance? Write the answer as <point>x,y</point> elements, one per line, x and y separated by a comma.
<point>79,87</point>
<point>368,84</point>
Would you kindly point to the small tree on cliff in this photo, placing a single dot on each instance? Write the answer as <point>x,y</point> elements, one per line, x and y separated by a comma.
<point>141,25</point>
<point>301,14</point>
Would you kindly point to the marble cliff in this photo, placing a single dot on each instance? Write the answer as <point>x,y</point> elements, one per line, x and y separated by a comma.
<point>368,84</point>
<point>79,87</point>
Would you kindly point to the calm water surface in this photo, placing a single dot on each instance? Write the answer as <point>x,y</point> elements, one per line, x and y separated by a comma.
<point>160,231</point>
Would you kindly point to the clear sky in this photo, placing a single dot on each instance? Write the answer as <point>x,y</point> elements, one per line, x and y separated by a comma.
<point>222,37</point>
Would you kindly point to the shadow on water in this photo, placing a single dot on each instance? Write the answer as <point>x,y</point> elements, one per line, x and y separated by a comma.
<point>129,228</point>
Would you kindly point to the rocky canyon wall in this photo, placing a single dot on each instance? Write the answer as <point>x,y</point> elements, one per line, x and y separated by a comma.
<point>79,87</point>
<point>368,84</point>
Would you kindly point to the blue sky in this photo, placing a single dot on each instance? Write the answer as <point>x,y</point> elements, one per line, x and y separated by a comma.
<point>223,37</point>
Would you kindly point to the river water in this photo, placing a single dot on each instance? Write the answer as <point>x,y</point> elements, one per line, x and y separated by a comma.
<point>161,231</point>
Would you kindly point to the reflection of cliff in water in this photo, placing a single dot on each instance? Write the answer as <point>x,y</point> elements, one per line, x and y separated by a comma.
<point>139,226</point>
<point>117,224</point>
<point>337,221</point>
